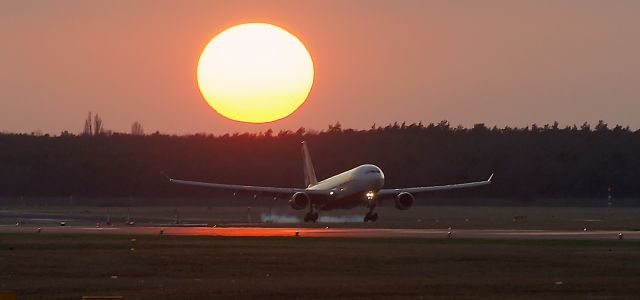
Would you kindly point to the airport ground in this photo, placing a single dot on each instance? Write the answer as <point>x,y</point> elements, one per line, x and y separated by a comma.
<point>69,266</point>
<point>430,217</point>
<point>139,263</point>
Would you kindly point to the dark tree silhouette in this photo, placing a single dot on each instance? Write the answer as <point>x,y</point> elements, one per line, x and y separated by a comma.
<point>97,125</point>
<point>530,163</point>
<point>137,129</point>
<point>88,128</point>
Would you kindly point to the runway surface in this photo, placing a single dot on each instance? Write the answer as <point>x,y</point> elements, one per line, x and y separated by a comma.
<point>331,232</point>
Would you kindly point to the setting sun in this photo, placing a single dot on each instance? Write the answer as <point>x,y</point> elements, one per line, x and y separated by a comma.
<point>255,73</point>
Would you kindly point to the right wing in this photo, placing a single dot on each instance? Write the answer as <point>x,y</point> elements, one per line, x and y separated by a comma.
<point>239,188</point>
<point>315,195</point>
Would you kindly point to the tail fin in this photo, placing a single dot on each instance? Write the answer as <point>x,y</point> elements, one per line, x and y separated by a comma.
<point>309,173</point>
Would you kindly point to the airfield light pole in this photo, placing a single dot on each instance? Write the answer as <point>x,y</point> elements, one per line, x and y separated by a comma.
<point>270,220</point>
<point>609,196</point>
<point>108,218</point>
<point>177,217</point>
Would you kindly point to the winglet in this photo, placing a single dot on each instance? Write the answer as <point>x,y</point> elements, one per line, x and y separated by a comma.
<point>490,178</point>
<point>166,176</point>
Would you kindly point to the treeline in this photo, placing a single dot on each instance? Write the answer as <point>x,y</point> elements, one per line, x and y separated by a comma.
<point>531,162</point>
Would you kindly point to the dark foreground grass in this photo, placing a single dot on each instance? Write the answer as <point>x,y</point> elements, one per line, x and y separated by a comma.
<point>171,267</point>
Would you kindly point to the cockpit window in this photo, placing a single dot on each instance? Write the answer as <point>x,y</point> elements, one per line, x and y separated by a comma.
<point>373,171</point>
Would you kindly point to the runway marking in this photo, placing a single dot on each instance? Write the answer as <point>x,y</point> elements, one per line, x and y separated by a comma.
<point>99,228</point>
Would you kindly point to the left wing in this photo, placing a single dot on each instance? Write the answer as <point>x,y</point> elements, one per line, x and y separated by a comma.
<point>388,193</point>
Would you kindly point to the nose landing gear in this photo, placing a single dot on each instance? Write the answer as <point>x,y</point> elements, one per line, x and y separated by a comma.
<point>371,216</point>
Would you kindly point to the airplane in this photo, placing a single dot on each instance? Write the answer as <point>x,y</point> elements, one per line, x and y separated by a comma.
<point>355,187</point>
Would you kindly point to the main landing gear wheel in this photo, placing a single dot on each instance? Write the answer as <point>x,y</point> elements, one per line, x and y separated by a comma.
<point>371,217</point>
<point>311,217</point>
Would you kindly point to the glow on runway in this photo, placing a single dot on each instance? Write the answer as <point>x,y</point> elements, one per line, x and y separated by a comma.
<point>331,232</point>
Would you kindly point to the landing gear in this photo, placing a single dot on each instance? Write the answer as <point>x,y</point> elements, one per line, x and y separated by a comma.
<point>311,217</point>
<point>371,216</point>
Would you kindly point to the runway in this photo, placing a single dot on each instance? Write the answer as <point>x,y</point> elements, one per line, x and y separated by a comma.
<point>331,232</point>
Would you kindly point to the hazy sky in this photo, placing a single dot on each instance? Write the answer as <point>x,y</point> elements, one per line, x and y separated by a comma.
<point>497,62</point>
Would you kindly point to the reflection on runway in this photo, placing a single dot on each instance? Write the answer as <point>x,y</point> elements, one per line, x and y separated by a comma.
<point>333,232</point>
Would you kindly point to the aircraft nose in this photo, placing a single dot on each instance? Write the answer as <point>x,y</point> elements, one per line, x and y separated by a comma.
<point>380,178</point>
<point>380,181</point>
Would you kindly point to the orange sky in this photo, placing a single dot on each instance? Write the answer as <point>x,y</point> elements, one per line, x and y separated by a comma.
<point>497,62</point>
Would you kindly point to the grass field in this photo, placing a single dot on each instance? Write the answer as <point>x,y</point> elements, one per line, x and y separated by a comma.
<point>172,267</point>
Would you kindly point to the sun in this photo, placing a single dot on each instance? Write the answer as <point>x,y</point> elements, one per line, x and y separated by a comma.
<point>255,73</point>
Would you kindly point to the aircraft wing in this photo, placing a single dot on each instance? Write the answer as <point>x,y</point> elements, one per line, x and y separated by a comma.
<point>258,190</point>
<point>388,193</point>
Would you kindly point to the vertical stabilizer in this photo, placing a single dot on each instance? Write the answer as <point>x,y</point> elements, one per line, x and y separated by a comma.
<point>309,173</point>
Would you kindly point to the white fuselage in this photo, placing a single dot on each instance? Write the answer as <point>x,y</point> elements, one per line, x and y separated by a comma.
<point>350,188</point>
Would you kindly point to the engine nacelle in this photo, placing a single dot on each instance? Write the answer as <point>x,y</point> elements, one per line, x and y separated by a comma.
<point>299,201</point>
<point>404,201</point>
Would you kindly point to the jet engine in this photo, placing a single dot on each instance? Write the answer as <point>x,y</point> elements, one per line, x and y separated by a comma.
<point>404,201</point>
<point>299,201</point>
